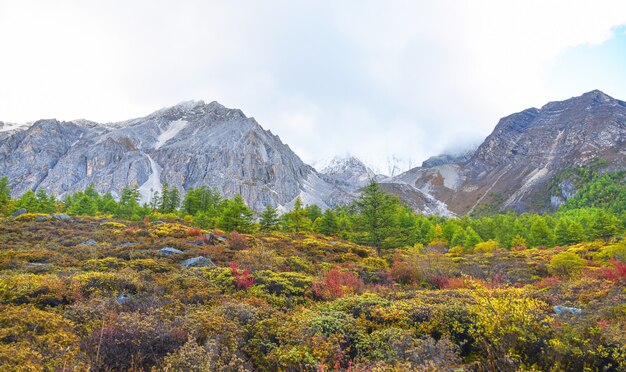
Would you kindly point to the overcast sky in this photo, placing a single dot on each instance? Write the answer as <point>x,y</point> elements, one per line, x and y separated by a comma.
<point>372,78</point>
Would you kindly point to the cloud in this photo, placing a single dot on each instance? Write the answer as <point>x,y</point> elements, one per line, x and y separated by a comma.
<point>375,79</point>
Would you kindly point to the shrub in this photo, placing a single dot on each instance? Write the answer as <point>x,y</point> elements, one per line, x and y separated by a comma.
<point>617,273</point>
<point>113,225</point>
<point>35,340</point>
<point>336,283</point>
<point>566,264</point>
<point>241,278</point>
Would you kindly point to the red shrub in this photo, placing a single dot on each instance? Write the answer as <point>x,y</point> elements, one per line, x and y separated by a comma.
<point>334,284</point>
<point>549,282</point>
<point>192,231</point>
<point>237,240</point>
<point>405,273</point>
<point>242,279</point>
<point>441,282</point>
<point>615,274</point>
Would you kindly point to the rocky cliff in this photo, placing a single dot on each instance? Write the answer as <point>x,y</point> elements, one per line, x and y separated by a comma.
<point>188,145</point>
<point>512,168</point>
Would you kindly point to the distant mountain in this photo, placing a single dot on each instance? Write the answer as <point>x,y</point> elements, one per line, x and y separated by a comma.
<point>513,167</point>
<point>347,172</point>
<point>193,144</point>
<point>187,145</point>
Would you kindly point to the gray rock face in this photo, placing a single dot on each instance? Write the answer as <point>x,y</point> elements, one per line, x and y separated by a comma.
<point>197,262</point>
<point>442,159</point>
<point>188,145</point>
<point>512,168</point>
<point>348,173</point>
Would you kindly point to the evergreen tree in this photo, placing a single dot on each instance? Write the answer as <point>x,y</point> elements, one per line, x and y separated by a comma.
<point>458,240</point>
<point>562,235</point>
<point>296,220</point>
<point>129,202</point>
<point>5,194</point>
<point>174,200</point>
<point>165,199</point>
<point>471,237</point>
<point>604,225</point>
<point>269,219</point>
<point>45,203</point>
<point>540,233</point>
<point>236,216</point>
<point>84,206</point>
<point>327,224</point>
<point>376,211</point>
<point>27,201</point>
<point>155,201</point>
<point>313,212</point>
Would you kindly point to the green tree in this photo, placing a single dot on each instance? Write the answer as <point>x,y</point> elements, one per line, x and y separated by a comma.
<point>562,234</point>
<point>129,202</point>
<point>5,194</point>
<point>27,201</point>
<point>296,220</point>
<point>327,224</point>
<point>269,219</point>
<point>471,237</point>
<point>84,206</point>
<point>540,233</point>
<point>236,216</point>
<point>605,225</point>
<point>376,210</point>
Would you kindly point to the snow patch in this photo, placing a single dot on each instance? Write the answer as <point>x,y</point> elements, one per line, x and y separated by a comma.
<point>153,184</point>
<point>6,127</point>
<point>171,132</point>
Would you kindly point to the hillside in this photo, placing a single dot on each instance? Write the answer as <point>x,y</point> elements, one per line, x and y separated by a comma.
<point>81,293</point>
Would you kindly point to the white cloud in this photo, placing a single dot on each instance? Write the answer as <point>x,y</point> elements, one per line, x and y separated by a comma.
<point>376,79</point>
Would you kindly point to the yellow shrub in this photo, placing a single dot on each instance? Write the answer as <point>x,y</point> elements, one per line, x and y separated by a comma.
<point>113,225</point>
<point>30,216</point>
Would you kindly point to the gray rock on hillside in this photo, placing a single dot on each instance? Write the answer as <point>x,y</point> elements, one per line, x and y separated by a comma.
<point>197,262</point>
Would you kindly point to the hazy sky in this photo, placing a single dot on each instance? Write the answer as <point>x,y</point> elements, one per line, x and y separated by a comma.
<point>372,78</point>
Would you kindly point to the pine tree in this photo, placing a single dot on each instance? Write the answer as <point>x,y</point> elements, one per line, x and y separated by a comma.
<point>27,201</point>
<point>458,239</point>
<point>269,219</point>
<point>129,202</point>
<point>471,237</point>
<point>5,194</point>
<point>562,235</point>
<point>376,210</point>
<point>540,233</point>
<point>327,224</point>
<point>165,199</point>
<point>236,216</point>
<point>605,225</point>
<point>296,220</point>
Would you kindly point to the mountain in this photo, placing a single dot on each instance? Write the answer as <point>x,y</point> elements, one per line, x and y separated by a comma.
<point>187,145</point>
<point>347,172</point>
<point>513,167</point>
<point>194,144</point>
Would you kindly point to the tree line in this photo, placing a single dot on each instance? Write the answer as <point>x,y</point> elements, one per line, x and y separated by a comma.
<point>375,218</point>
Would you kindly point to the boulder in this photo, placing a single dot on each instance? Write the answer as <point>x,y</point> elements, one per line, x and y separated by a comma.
<point>61,217</point>
<point>19,212</point>
<point>168,251</point>
<point>563,310</point>
<point>122,298</point>
<point>42,218</point>
<point>197,262</point>
<point>89,242</point>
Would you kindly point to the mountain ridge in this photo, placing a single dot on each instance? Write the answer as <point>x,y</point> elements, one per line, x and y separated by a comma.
<point>194,143</point>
